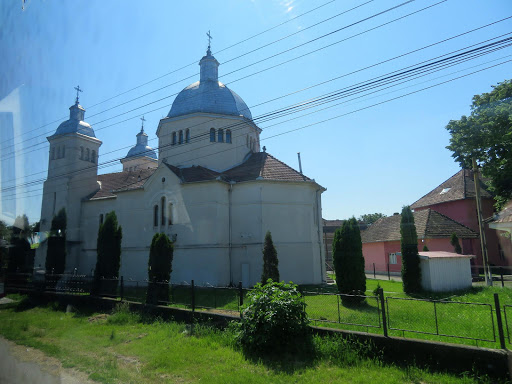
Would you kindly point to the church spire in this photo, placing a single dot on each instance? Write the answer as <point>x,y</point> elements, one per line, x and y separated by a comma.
<point>209,65</point>
<point>142,137</point>
<point>76,112</point>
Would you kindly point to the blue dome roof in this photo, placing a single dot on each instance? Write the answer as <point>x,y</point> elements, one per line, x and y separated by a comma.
<point>142,151</point>
<point>75,124</point>
<point>211,97</point>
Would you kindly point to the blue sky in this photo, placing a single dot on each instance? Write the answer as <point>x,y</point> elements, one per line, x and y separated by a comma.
<point>374,160</point>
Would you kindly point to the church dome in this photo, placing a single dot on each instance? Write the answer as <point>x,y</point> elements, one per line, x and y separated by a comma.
<point>75,124</point>
<point>209,95</point>
<point>141,149</point>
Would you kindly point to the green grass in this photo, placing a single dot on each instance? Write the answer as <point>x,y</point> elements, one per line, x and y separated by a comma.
<point>125,348</point>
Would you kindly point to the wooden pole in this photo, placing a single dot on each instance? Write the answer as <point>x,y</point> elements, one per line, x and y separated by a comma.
<point>483,244</point>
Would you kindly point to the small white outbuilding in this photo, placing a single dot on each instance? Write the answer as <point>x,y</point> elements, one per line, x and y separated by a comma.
<point>445,271</point>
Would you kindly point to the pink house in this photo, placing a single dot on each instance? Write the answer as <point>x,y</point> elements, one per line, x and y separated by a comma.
<point>381,241</point>
<point>455,198</point>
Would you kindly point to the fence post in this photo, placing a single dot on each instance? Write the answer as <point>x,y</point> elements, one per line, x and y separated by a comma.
<point>501,275</point>
<point>121,289</point>
<point>193,298</point>
<point>384,317</point>
<point>240,294</point>
<point>498,318</point>
<point>374,276</point>
<point>389,275</point>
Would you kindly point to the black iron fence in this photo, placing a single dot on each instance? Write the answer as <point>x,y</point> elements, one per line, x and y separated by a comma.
<point>397,316</point>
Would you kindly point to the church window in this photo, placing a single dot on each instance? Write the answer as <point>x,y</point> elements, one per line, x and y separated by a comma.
<point>54,202</point>
<point>174,138</point>
<point>169,214</point>
<point>187,136</point>
<point>53,153</point>
<point>58,152</point>
<point>101,218</point>
<point>87,154</point>
<point>155,216</point>
<point>63,151</point>
<point>228,136</point>
<point>162,205</point>
<point>220,135</point>
<point>181,137</point>
<point>247,141</point>
<point>81,153</point>
<point>212,135</point>
<point>93,156</point>
<point>251,144</point>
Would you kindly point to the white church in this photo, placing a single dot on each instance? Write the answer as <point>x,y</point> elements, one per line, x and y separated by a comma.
<point>210,189</point>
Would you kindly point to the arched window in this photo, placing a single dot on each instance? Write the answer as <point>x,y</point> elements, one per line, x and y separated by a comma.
<point>155,216</point>
<point>58,152</point>
<point>169,214</point>
<point>187,136</point>
<point>220,135</point>
<point>247,141</point>
<point>87,154</point>
<point>228,136</point>
<point>162,205</point>
<point>63,151</point>
<point>81,153</point>
<point>93,156</point>
<point>53,153</point>
<point>101,218</point>
<point>251,143</point>
<point>212,135</point>
<point>181,137</point>
<point>174,138</point>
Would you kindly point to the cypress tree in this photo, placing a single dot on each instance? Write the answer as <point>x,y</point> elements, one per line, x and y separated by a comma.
<point>270,261</point>
<point>159,268</point>
<point>411,272</point>
<point>108,248</point>
<point>425,248</point>
<point>347,251</point>
<point>454,240</point>
<point>56,251</point>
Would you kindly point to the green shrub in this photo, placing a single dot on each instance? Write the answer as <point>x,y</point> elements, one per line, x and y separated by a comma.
<point>411,271</point>
<point>159,268</point>
<point>270,260</point>
<point>275,320</point>
<point>454,240</point>
<point>121,315</point>
<point>56,250</point>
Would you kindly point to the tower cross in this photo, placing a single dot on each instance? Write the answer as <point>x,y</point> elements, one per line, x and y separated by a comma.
<point>78,90</point>
<point>143,120</point>
<point>209,39</point>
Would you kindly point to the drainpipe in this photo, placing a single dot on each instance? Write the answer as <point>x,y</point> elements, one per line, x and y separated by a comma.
<point>319,216</point>
<point>230,245</point>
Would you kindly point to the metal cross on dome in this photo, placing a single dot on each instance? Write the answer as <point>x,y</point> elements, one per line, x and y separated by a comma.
<point>209,39</point>
<point>78,90</point>
<point>143,120</point>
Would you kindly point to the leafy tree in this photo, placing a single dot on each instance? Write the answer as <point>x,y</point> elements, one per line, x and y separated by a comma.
<point>159,268</point>
<point>270,261</point>
<point>487,134</point>
<point>19,250</point>
<point>274,321</point>
<point>56,251</point>
<point>454,240</point>
<point>371,218</point>
<point>108,248</point>
<point>347,251</point>
<point>411,272</point>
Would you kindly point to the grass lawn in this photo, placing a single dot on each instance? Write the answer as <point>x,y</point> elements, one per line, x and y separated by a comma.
<point>122,348</point>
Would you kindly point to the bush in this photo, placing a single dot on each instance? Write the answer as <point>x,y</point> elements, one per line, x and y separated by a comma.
<point>270,260</point>
<point>411,271</point>
<point>159,268</point>
<point>108,260</point>
<point>275,320</point>
<point>56,251</point>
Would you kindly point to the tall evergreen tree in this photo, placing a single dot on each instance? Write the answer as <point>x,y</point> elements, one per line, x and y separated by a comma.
<point>159,268</point>
<point>411,272</point>
<point>270,261</point>
<point>347,251</point>
<point>454,240</point>
<point>56,251</point>
<point>108,248</point>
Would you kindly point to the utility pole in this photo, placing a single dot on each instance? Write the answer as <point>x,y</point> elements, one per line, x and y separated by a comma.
<point>483,243</point>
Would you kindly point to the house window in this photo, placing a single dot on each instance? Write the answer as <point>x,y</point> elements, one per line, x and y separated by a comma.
<point>162,205</point>
<point>81,153</point>
<point>181,137</point>
<point>212,135</point>
<point>101,218</point>
<point>392,258</point>
<point>220,135</point>
<point>228,136</point>
<point>155,216</point>
<point>169,214</point>
<point>93,156</point>
<point>174,138</point>
<point>187,136</point>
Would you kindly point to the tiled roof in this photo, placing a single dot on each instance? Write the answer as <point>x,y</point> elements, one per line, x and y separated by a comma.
<point>429,224</point>
<point>505,216</point>
<point>330,226</point>
<point>121,181</point>
<point>258,166</point>
<point>458,187</point>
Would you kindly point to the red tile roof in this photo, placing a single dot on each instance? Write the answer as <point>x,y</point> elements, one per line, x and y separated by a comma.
<point>458,187</point>
<point>429,225</point>
<point>121,181</point>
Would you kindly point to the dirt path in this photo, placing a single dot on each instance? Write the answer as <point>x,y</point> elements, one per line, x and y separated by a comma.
<point>19,364</point>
